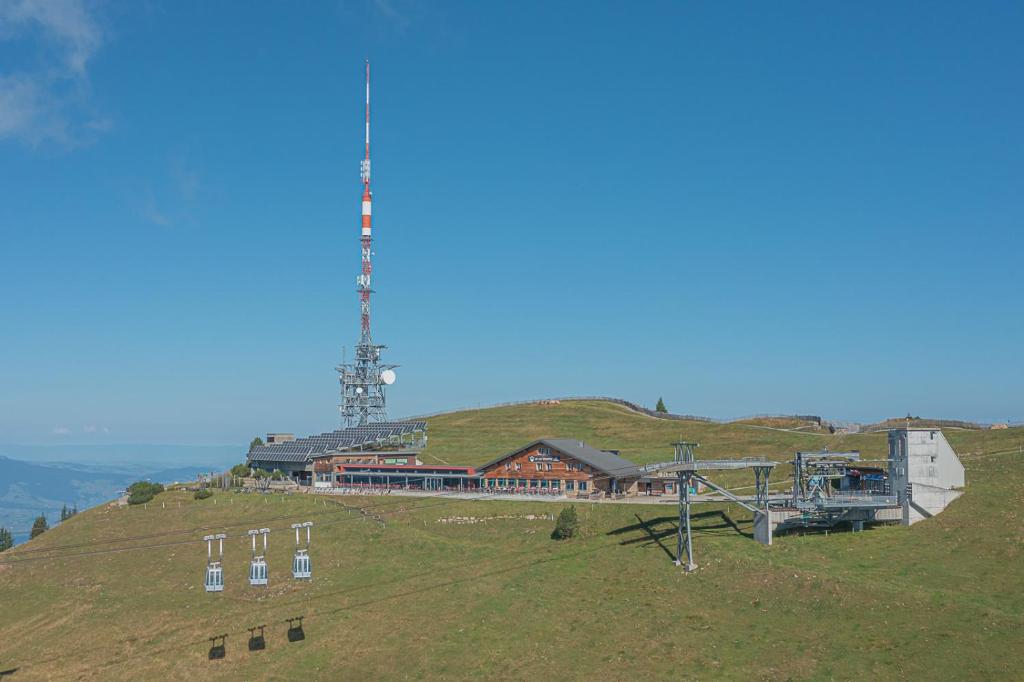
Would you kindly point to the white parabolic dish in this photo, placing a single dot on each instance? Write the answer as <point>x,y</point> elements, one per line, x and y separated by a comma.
<point>388,376</point>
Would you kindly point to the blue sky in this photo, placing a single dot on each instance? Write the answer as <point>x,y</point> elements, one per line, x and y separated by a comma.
<point>742,207</point>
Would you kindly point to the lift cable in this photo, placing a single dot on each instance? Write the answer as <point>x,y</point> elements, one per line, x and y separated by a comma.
<point>337,609</point>
<point>12,561</point>
<point>50,550</point>
<point>201,529</point>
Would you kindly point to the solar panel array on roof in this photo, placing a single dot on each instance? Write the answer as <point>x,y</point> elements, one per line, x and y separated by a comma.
<point>302,449</point>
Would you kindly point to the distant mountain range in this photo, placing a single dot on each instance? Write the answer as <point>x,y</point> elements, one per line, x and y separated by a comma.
<point>31,488</point>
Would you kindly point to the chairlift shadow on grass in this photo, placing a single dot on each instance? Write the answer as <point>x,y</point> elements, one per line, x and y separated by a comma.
<point>295,631</point>
<point>257,642</point>
<point>217,650</point>
<point>8,672</point>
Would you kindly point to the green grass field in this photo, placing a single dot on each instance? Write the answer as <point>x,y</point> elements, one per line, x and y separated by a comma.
<point>420,599</point>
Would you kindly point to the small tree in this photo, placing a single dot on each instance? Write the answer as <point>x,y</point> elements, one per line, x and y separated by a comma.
<point>567,525</point>
<point>255,442</point>
<point>660,407</point>
<point>202,494</point>
<point>277,475</point>
<point>240,470</point>
<point>64,513</point>
<point>6,540</point>
<point>39,526</point>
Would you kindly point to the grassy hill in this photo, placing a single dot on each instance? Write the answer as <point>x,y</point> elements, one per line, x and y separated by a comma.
<point>116,593</point>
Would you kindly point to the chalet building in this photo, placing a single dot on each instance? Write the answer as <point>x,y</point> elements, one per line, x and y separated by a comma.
<point>560,466</point>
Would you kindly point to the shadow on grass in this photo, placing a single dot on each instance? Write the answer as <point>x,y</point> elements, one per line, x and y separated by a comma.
<point>657,529</point>
<point>406,591</point>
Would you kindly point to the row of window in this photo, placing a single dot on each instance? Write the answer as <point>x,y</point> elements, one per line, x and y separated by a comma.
<point>542,484</point>
<point>543,466</point>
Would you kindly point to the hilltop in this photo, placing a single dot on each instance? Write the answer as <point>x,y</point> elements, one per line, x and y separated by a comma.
<point>476,436</point>
<point>116,593</point>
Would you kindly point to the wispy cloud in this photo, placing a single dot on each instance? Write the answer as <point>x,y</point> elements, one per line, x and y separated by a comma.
<point>151,213</point>
<point>388,9</point>
<point>61,430</point>
<point>51,102</point>
<point>173,203</point>
<point>186,178</point>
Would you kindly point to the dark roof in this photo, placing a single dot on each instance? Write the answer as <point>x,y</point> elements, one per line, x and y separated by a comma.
<point>304,449</point>
<point>603,461</point>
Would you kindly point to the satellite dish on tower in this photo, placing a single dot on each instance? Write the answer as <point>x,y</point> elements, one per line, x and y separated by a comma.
<point>359,389</point>
<point>388,376</point>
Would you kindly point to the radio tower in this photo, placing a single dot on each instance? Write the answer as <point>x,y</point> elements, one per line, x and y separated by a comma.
<point>363,380</point>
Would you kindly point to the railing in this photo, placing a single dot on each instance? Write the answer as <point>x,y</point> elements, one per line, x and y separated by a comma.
<point>841,500</point>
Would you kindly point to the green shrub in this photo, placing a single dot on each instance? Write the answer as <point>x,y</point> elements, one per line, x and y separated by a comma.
<point>143,491</point>
<point>567,525</point>
<point>240,470</point>
<point>277,475</point>
<point>202,494</point>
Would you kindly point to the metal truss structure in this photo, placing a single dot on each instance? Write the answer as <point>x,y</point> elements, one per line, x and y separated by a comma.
<point>364,379</point>
<point>686,467</point>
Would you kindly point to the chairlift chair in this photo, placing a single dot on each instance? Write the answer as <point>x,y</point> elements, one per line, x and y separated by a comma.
<point>214,581</point>
<point>302,567</point>
<point>258,566</point>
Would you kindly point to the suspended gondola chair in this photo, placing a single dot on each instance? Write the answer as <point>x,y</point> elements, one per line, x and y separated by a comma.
<point>258,574</point>
<point>214,581</point>
<point>302,567</point>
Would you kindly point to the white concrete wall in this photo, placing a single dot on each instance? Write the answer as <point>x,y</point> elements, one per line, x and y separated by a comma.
<point>924,460</point>
<point>932,461</point>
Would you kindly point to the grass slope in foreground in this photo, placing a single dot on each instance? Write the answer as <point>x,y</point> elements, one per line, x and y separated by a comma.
<point>422,599</point>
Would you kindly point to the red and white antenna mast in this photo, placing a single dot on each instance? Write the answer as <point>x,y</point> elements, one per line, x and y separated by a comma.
<point>366,237</point>
<point>363,381</point>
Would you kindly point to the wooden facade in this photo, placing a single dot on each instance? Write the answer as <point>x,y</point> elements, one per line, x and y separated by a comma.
<point>542,467</point>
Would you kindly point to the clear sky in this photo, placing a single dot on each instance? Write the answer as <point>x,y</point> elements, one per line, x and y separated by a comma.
<point>809,207</point>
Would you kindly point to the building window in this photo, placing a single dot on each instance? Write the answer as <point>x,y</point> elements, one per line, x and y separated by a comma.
<point>539,466</point>
<point>519,466</point>
<point>544,483</point>
<point>570,485</point>
<point>508,465</point>
<point>544,450</point>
